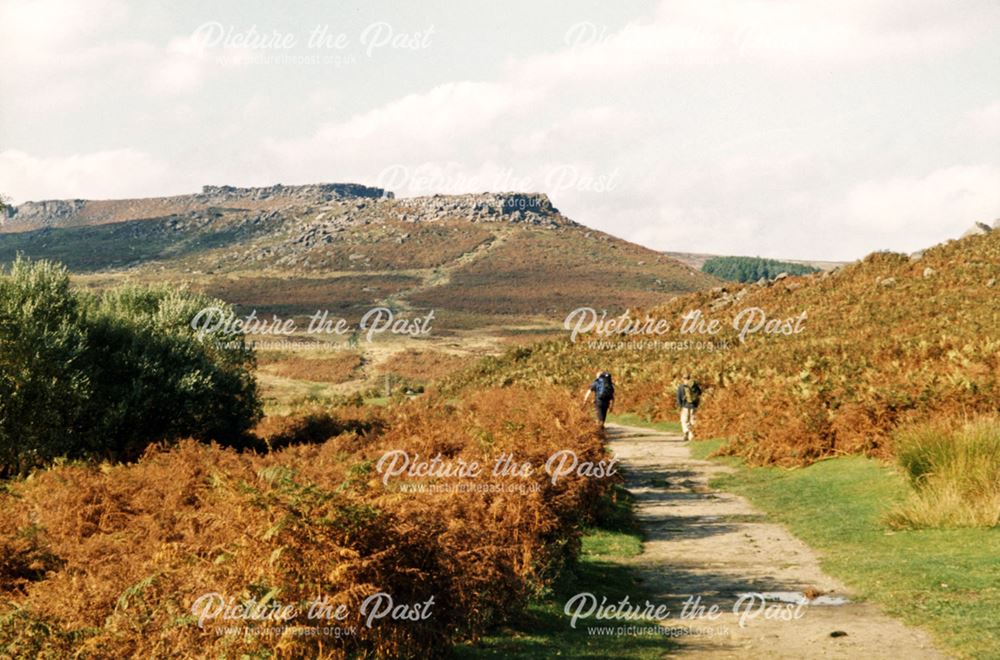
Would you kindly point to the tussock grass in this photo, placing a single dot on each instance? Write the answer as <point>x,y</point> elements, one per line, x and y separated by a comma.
<point>954,470</point>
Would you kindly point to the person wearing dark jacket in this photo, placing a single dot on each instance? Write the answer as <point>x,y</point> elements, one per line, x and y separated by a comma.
<point>604,395</point>
<point>688,398</point>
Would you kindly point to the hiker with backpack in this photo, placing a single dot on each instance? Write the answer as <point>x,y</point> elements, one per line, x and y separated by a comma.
<point>688,398</point>
<point>604,395</point>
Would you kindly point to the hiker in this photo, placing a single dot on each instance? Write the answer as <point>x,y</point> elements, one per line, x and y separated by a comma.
<point>604,395</point>
<point>688,397</point>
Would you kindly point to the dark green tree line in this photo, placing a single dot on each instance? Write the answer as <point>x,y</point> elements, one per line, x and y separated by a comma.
<point>751,269</point>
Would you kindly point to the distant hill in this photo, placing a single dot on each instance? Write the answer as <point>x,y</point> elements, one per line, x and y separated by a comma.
<point>294,249</point>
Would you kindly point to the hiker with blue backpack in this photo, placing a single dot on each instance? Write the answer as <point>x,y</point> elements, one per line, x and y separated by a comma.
<point>688,398</point>
<point>604,395</point>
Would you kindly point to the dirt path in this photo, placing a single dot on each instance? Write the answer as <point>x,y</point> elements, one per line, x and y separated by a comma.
<point>700,542</point>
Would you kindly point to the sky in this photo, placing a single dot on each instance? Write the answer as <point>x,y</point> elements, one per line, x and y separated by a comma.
<point>810,130</point>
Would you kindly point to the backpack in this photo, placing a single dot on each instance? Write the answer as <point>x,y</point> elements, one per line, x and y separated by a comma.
<point>604,390</point>
<point>692,394</point>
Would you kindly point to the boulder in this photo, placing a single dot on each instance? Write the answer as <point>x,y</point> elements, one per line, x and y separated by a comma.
<point>977,229</point>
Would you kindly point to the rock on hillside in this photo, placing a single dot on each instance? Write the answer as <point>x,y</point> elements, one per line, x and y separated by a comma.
<point>347,201</point>
<point>77,212</point>
<point>516,208</point>
<point>980,228</point>
<point>312,192</point>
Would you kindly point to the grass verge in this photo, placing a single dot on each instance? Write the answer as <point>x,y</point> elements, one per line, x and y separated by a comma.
<point>947,580</point>
<point>544,630</point>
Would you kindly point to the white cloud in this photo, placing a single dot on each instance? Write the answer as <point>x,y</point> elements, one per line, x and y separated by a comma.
<point>986,120</point>
<point>182,66</point>
<point>695,34</point>
<point>913,212</point>
<point>443,113</point>
<point>44,27</point>
<point>103,174</point>
<point>449,120</point>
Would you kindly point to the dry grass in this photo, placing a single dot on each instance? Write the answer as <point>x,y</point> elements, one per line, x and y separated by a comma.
<point>108,560</point>
<point>954,469</point>
<point>548,273</point>
<point>343,296</point>
<point>882,346</point>
<point>328,367</point>
<point>423,365</point>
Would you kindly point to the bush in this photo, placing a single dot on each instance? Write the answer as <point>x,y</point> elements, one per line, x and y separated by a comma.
<point>955,473</point>
<point>108,560</point>
<point>84,375</point>
<point>43,389</point>
<point>154,379</point>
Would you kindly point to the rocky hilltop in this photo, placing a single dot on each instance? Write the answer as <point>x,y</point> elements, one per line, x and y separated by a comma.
<point>981,228</point>
<point>535,209</point>
<point>311,192</point>
<point>346,201</point>
<point>301,248</point>
<point>79,212</point>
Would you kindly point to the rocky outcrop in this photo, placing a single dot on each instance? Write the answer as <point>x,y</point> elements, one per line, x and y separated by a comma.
<point>75,212</point>
<point>517,208</point>
<point>49,213</point>
<point>978,228</point>
<point>340,204</point>
<point>317,192</point>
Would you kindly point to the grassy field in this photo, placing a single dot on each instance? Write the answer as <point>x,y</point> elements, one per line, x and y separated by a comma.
<point>947,581</point>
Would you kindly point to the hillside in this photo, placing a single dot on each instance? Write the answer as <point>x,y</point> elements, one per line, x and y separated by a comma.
<point>81,212</point>
<point>495,269</point>
<point>284,249</point>
<point>886,340</point>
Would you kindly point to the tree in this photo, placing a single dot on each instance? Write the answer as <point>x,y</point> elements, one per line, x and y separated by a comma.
<point>751,269</point>
<point>43,391</point>
<point>155,379</point>
<point>106,375</point>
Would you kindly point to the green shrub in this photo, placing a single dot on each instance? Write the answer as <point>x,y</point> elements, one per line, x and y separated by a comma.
<point>954,470</point>
<point>153,376</point>
<point>85,375</point>
<point>43,389</point>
